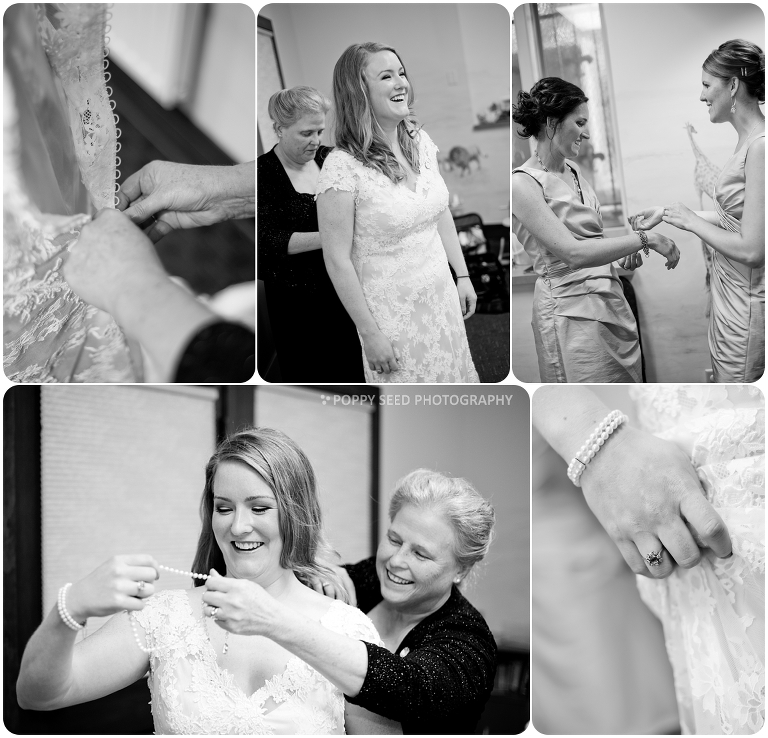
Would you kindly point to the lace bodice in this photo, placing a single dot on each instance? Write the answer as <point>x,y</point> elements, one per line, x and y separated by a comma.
<point>714,614</point>
<point>59,129</point>
<point>402,266</point>
<point>193,695</point>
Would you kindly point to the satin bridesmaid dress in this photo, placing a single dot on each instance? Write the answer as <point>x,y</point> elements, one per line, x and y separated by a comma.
<point>737,319</point>
<point>582,323</point>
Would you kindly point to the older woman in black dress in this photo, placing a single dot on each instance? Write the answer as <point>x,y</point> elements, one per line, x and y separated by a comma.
<point>314,337</point>
<point>436,669</point>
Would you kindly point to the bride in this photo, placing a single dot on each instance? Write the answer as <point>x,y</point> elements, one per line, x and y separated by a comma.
<point>261,522</point>
<point>689,517</point>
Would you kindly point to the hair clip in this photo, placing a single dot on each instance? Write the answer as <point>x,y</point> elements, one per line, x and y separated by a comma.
<point>743,71</point>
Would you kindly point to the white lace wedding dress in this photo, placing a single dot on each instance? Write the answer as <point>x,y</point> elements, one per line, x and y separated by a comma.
<point>402,266</point>
<point>714,614</point>
<point>193,695</point>
<point>59,166</point>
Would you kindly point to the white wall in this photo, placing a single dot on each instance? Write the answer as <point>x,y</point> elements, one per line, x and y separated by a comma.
<point>656,55</point>
<point>489,446</point>
<point>444,47</point>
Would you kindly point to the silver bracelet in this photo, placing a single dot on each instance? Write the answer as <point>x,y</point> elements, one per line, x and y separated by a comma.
<point>593,444</point>
<point>67,619</point>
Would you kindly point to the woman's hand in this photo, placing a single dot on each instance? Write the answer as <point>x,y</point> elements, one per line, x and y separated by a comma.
<point>666,247</point>
<point>646,219</point>
<point>631,261</point>
<point>381,355</point>
<point>244,607</point>
<point>330,590</point>
<point>115,586</point>
<point>645,493</point>
<point>467,297</point>
<point>679,216</point>
<point>186,195</point>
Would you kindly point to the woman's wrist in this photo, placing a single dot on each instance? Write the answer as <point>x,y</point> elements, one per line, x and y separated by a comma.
<point>237,191</point>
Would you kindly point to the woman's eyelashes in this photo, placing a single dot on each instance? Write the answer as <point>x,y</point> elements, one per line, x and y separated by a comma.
<point>395,542</point>
<point>224,510</point>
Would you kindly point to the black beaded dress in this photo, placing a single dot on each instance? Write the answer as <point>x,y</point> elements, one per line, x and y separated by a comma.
<point>315,339</point>
<point>441,674</point>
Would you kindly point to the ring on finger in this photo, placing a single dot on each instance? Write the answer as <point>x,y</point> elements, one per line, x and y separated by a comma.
<point>654,558</point>
<point>212,614</point>
<point>142,584</point>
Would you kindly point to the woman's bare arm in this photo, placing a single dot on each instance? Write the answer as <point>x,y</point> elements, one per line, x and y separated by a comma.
<point>57,673</point>
<point>530,208</point>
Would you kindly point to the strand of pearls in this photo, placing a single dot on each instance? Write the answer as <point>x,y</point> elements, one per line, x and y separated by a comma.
<point>182,572</point>
<point>68,620</point>
<point>593,444</point>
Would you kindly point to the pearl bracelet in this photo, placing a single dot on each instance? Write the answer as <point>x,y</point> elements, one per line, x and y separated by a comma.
<point>67,619</point>
<point>593,444</point>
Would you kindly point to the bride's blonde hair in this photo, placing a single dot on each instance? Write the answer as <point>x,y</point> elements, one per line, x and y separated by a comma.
<point>287,471</point>
<point>357,130</point>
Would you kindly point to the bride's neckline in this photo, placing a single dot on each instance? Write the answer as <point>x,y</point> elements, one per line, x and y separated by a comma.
<point>224,673</point>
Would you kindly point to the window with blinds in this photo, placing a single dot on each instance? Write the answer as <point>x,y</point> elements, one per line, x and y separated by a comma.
<point>123,469</point>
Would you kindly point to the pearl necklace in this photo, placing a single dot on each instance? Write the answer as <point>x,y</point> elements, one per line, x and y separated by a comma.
<point>132,618</point>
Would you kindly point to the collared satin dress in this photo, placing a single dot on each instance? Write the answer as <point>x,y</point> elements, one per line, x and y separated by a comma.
<point>737,319</point>
<point>582,323</point>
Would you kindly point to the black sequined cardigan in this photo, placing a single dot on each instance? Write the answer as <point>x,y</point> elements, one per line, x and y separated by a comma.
<point>441,674</point>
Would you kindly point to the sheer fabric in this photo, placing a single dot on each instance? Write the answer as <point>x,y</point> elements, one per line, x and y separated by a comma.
<point>402,267</point>
<point>58,167</point>
<point>193,695</point>
<point>714,614</point>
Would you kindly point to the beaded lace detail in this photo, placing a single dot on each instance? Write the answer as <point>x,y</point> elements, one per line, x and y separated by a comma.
<point>402,266</point>
<point>50,334</point>
<point>714,614</point>
<point>192,694</point>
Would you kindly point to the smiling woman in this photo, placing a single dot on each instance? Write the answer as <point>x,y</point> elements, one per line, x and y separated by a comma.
<point>435,672</point>
<point>582,323</point>
<point>262,529</point>
<point>388,236</point>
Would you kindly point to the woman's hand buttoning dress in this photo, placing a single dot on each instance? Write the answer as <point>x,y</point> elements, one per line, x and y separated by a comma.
<point>59,166</point>
<point>388,236</point>
<point>314,337</point>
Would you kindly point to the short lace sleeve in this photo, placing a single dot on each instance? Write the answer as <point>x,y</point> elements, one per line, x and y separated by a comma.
<point>429,149</point>
<point>351,622</point>
<point>340,172</point>
<point>157,615</point>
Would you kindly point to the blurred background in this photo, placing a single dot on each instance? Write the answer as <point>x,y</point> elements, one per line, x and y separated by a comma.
<point>90,472</point>
<point>457,57</point>
<point>183,76</point>
<point>651,144</point>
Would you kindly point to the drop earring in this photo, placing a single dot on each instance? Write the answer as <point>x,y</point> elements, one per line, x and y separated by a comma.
<point>733,107</point>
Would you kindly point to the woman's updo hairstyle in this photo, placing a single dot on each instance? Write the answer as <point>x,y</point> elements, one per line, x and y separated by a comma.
<point>287,106</point>
<point>743,60</point>
<point>471,516</point>
<point>550,97</point>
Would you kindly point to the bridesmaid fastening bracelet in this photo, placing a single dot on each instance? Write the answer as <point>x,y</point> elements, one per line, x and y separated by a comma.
<point>593,444</point>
